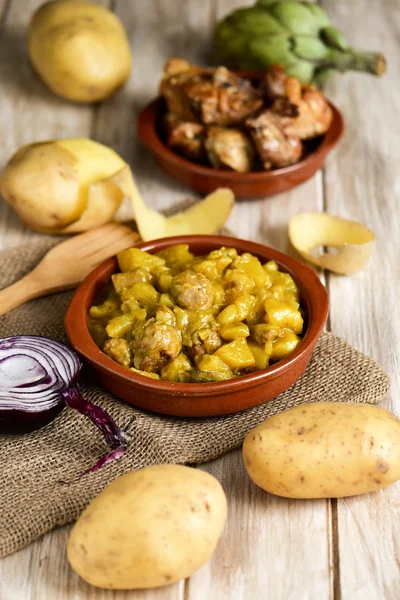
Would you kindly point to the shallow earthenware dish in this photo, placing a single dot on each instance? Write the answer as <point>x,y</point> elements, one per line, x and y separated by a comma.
<point>200,399</point>
<point>206,179</point>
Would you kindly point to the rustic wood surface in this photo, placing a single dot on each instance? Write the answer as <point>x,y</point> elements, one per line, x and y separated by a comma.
<point>272,548</point>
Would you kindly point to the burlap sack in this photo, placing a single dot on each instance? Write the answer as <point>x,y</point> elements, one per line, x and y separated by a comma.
<point>32,499</point>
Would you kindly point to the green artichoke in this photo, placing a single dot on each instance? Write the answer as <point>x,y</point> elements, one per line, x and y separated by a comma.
<point>297,35</point>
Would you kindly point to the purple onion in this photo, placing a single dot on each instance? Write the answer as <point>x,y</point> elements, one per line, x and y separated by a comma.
<point>38,378</point>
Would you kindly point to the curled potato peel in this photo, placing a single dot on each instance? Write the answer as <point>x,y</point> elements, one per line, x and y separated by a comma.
<point>73,185</point>
<point>353,242</point>
<point>205,217</point>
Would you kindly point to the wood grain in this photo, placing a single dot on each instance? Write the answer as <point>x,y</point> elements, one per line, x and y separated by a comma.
<point>272,548</point>
<point>362,182</point>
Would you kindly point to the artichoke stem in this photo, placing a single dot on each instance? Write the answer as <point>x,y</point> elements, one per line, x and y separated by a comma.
<point>352,60</point>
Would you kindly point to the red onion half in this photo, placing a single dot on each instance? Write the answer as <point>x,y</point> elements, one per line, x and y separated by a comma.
<point>38,377</point>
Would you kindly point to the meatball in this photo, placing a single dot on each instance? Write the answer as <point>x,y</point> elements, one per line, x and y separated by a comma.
<point>192,291</point>
<point>165,315</point>
<point>154,345</point>
<point>118,349</point>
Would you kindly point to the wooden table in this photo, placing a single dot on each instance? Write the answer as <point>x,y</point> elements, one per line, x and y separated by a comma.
<point>272,548</point>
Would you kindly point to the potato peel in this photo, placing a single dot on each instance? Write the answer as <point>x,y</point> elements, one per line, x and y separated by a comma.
<point>205,217</point>
<point>104,199</point>
<point>353,241</point>
<point>73,185</point>
<point>150,223</point>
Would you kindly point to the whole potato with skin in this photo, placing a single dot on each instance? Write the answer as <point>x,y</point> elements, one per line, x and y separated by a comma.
<point>325,450</point>
<point>79,49</point>
<point>149,528</point>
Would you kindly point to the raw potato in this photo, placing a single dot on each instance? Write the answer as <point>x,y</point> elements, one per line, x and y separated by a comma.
<point>69,186</point>
<point>79,49</point>
<point>64,186</point>
<point>149,528</point>
<point>325,450</point>
<point>352,241</point>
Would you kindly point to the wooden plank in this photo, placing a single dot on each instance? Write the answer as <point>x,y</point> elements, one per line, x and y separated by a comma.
<point>4,4</point>
<point>272,547</point>
<point>266,535</point>
<point>41,572</point>
<point>155,35</point>
<point>362,182</point>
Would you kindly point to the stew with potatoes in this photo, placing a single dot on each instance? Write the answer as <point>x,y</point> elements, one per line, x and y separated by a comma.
<point>185,318</point>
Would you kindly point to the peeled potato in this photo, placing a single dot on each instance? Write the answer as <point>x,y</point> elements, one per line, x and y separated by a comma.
<point>69,186</point>
<point>79,49</point>
<point>353,242</point>
<point>64,186</point>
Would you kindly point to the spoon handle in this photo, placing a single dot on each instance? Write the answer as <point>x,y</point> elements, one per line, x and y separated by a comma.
<point>19,292</point>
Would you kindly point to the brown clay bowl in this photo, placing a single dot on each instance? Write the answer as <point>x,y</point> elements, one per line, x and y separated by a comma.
<point>205,179</point>
<point>200,399</point>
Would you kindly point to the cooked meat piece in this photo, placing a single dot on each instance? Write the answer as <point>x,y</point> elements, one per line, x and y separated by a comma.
<point>165,315</point>
<point>154,345</point>
<point>185,137</point>
<point>211,96</point>
<point>234,99</point>
<point>315,114</point>
<point>229,148</point>
<point>206,341</point>
<point>212,342</point>
<point>118,349</point>
<point>284,108</point>
<point>176,65</point>
<point>178,76</point>
<point>305,109</point>
<point>276,146</point>
<point>192,290</point>
<point>274,82</point>
<point>195,351</point>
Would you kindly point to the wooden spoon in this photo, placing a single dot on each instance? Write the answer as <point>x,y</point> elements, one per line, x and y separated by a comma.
<point>68,263</point>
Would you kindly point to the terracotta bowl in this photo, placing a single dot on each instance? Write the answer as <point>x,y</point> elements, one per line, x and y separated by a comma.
<point>200,399</point>
<point>205,179</point>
